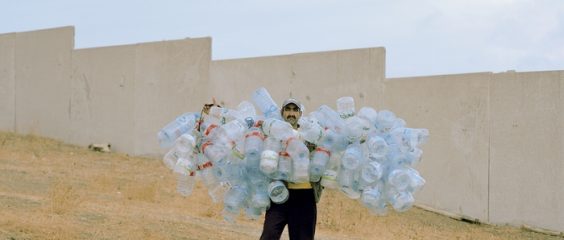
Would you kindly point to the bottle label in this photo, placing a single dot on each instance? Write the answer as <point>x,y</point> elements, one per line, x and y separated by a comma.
<point>236,153</point>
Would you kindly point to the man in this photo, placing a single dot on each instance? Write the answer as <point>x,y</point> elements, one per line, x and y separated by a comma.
<point>299,212</point>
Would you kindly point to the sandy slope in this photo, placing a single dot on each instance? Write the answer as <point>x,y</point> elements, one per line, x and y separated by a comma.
<point>49,190</point>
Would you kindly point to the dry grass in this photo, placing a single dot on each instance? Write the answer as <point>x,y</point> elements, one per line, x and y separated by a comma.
<point>141,191</point>
<point>63,197</point>
<point>51,190</point>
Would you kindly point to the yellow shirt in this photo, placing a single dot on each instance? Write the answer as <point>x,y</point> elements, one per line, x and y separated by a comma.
<point>305,185</point>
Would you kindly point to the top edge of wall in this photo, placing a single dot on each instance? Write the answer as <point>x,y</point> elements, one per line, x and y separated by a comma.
<point>148,43</point>
<point>45,29</point>
<point>438,75</point>
<point>299,54</point>
<point>8,33</point>
<point>471,73</point>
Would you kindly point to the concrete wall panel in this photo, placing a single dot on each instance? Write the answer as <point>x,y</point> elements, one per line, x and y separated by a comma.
<point>526,150</point>
<point>171,78</point>
<point>314,78</point>
<point>103,86</point>
<point>232,81</point>
<point>43,79</point>
<point>7,82</point>
<point>455,161</point>
<point>321,78</point>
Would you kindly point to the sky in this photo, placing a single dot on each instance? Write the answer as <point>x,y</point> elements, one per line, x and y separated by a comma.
<point>421,37</point>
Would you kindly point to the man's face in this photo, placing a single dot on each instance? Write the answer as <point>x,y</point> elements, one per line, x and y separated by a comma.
<point>291,113</point>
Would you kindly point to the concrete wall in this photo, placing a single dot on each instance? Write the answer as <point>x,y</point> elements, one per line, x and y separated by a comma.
<point>43,79</point>
<point>121,94</point>
<point>496,148</point>
<point>103,90</point>
<point>7,82</point>
<point>171,78</point>
<point>527,161</point>
<point>124,94</point>
<point>455,109</point>
<point>313,78</point>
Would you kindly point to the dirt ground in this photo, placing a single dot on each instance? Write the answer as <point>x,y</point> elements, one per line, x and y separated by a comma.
<point>51,190</point>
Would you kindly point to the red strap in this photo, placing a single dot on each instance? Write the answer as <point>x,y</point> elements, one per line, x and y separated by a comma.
<point>255,133</point>
<point>284,154</point>
<point>325,150</point>
<point>290,139</point>
<point>209,129</point>
<point>205,165</point>
<point>205,145</point>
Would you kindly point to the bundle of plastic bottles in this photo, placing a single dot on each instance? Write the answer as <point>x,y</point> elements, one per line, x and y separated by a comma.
<point>244,158</point>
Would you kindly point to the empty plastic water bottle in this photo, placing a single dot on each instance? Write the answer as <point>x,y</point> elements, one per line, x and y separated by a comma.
<point>185,144</point>
<point>284,167</point>
<point>400,179</point>
<point>401,201</point>
<point>182,124</point>
<point>373,199</point>
<point>310,130</point>
<point>376,146</point>
<point>334,141</point>
<point>215,152</point>
<point>266,105</point>
<point>348,183</point>
<point>399,123</point>
<point>221,171</point>
<point>269,162</point>
<point>416,136</point>
<point>417,182</point>
<point>235,198</point>
<point>219,115</point>
<point>278,129</point>
<point>278,192</point>
<point>260,199</point>
<point>269,157</point>
<point>357,128</point>
<point>369,114</point>
<point>331,119</point>
<point>246,109</point>
<point>170,158</point>
<point>385,121</point>
<point>329,178</point>
<point>345,107</point>
<point>300,160</point>
<point>318,164</point>
<point>352,157</point>
<point>185,184</point>
<point>371,172</point>
<point>229,133</point>
<point>253,143</point>
<point>185,170</point>
<point>216,189</point>
<point>412,157</point>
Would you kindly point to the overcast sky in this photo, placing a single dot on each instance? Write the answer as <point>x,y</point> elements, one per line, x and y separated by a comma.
<point>421,37</point>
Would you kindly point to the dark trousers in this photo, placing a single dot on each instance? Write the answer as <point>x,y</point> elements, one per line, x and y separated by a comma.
<point>299,212</point>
